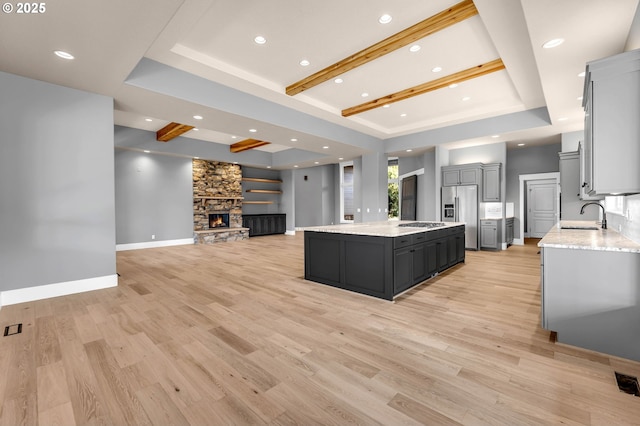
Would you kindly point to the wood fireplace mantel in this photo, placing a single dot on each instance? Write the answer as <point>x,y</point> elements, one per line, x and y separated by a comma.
<point>205,198</point>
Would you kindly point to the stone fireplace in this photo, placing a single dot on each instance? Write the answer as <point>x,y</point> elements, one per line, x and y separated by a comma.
<point>217,202</point>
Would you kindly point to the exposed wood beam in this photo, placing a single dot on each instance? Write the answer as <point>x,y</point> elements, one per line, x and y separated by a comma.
<point>477,71</point>
<point>246,145</point>
<point>172,130</point>
<point>457,13</point>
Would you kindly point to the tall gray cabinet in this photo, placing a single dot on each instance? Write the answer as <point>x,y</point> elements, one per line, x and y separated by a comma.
<point>612,129</point>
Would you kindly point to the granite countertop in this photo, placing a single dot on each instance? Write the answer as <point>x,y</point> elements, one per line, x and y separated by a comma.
<point>587,239</point>
<point>386,228</point>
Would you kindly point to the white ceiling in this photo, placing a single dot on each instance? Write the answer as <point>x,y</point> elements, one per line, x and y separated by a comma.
<point>213,39</point>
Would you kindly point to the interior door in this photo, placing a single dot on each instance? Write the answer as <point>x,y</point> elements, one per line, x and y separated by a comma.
<point>409,193</point>
<point>542,203</point>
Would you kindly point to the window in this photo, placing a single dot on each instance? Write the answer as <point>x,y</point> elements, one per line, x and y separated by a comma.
<point>347,209</point>
<point>614,204</point>
<point>392,174</point>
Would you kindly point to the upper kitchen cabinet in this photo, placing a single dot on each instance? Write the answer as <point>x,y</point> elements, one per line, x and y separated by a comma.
<point>491,182</point>
<point>467,174</point>
<point>612,128</point>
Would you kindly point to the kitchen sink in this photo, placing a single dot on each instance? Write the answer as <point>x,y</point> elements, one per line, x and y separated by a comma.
<point>581,227</point>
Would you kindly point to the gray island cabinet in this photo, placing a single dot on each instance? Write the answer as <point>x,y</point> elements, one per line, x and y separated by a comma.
<point>590,288</point>
<point>381,259</point>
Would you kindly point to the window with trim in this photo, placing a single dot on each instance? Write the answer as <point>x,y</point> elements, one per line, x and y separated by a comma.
<point>393,189</point>
<point>347,205</point>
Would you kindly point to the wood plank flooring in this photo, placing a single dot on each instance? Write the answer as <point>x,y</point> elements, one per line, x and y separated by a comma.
<point>232,334</point>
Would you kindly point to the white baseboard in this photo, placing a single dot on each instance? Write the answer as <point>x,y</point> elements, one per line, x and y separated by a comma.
<point>21,295</point>
<point>290,232</point>
<point>154,244</point>
<point>518,241</point>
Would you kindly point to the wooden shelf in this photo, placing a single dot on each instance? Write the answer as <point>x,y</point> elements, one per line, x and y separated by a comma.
<point>257,202</point>
<point>264,191</point>
<point>204,199</point>
<point>248,179</point>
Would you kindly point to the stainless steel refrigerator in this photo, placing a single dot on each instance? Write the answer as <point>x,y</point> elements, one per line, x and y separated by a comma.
<point>460,204</point>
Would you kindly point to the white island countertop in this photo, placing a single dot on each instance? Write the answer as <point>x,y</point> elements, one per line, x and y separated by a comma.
<point>388,228</point>
<point>587,239</point>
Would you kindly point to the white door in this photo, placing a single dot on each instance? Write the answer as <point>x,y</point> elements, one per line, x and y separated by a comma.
<point>542,207</point>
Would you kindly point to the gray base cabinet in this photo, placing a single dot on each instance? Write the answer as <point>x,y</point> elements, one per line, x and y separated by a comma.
<point>380,266</point>
<point>591,299</point>
<point>265,224</point>
<point>491,234</point>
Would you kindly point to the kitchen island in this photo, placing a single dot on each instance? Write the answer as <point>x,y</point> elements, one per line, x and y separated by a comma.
<point>590,288</point>
<point>381,259</point>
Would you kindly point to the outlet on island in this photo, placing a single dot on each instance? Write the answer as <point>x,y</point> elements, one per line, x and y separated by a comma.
<point>153,237</point>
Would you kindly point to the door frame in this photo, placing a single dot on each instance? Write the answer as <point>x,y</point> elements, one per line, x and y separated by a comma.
<point>532,177</point>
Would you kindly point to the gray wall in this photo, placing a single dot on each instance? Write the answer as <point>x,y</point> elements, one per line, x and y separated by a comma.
<point>288,197</point>
<point>154,196</point>
<point>375,192</point>
<point>429,209</point>
<point>57,216</point>
<point>314,196</point>
<point>524,161</point>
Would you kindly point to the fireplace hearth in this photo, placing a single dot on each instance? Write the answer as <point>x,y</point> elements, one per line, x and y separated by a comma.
<point>218,220</point>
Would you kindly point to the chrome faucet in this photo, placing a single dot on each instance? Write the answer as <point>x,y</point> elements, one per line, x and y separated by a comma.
<point>604,214</point>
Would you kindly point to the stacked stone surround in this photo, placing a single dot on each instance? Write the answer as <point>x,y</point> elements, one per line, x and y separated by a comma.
<point>217,179</point>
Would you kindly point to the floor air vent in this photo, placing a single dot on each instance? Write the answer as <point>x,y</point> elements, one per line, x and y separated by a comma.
<point>10,330</point>
<point>628,384</point>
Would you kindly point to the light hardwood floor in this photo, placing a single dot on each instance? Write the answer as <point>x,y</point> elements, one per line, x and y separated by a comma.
<point>232,334</point>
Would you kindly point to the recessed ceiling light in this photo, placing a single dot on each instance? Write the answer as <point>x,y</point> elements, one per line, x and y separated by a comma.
<point>316,162</point>
<point>146,151</point>
<point>466,98</point>
<point>294,140</point>
<point>386,106</point>
<point>268,167</point>
<point>197,117</point>
<point>325,147</point>
<point>234,137</point>
<point>436,69</point>
<point>364,94</point>
<point>304,63</point>
<point>521,144</point>
<point>148,119</point>
<point>553,43</point>
<point>580,98</point>
<point>562,119</point>
<point>196,158</point>
<point>195,129</point>
<point>260,40</point>
<point>385,19</point>
<point>295,165</point>
<point>415,48</point>
<point>403,115</point>
<point>338,80</point>
<point>495,136</point>
<point>340,158</point>
<point>453,86</point>
<point>252,130</point>
<point>582,74</point>
<point>409,150</point>
<point>64,55</point>
<point>235,162</point>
